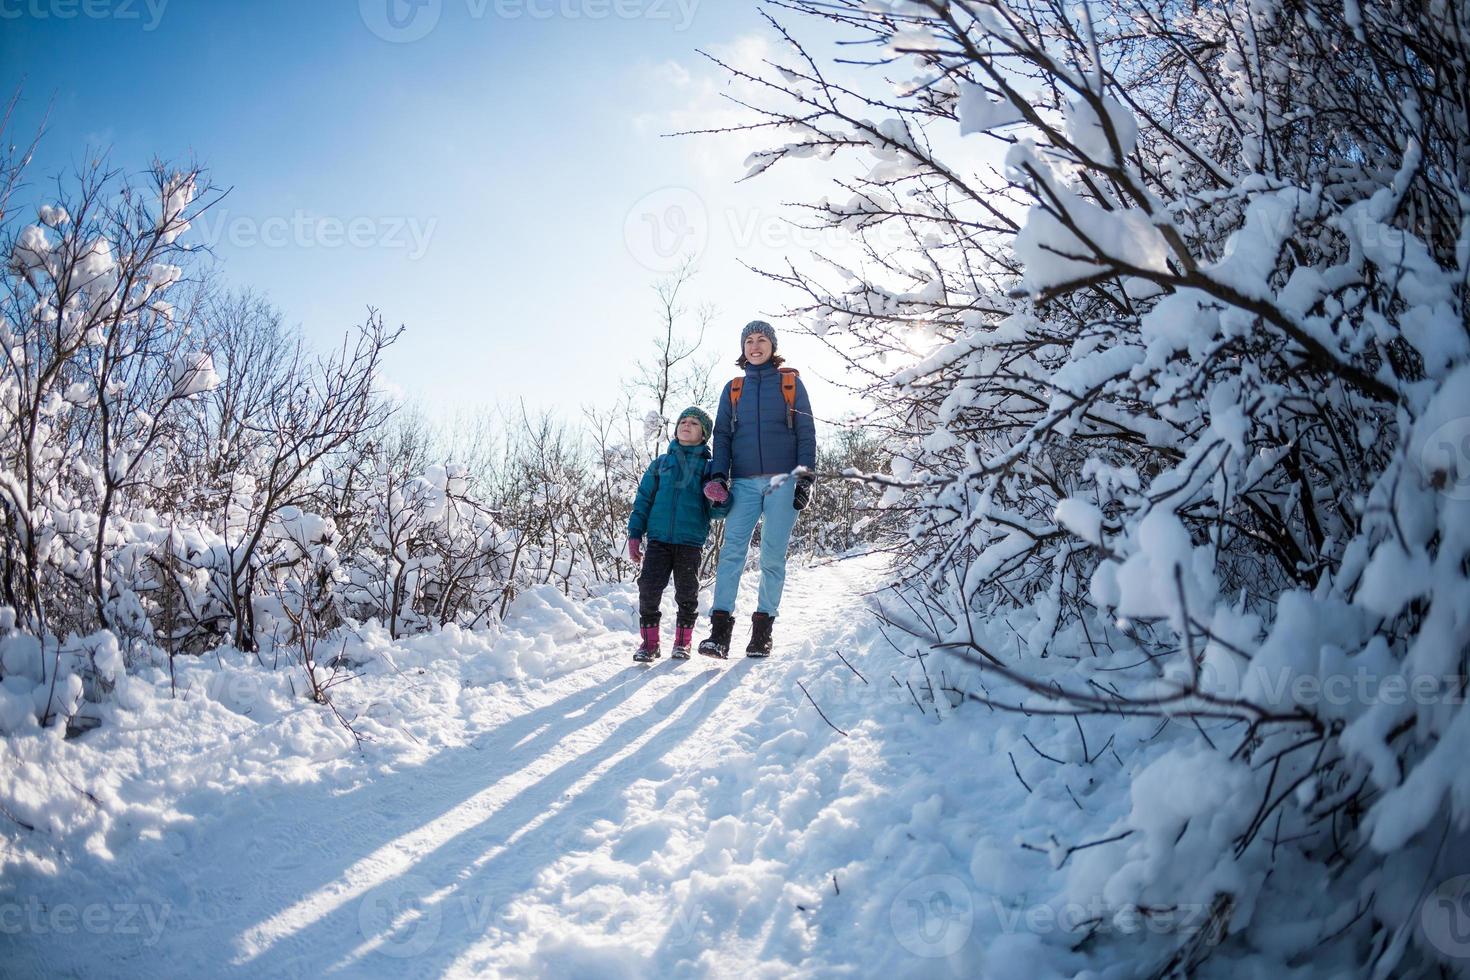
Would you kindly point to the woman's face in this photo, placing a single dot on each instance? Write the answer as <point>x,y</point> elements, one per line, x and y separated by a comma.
<point>757,348</point>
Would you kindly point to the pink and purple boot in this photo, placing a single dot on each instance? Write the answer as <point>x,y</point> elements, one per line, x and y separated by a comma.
<point>648,650</point>
<point>683,640</point>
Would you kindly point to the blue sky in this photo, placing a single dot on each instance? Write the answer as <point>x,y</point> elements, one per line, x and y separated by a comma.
<point>487,172</point>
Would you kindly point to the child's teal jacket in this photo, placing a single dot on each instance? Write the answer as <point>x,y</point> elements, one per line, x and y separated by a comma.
<point>671,506</point>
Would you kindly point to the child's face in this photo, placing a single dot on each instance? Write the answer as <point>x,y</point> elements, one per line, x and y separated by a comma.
<point>757,348</point>
<point>689,431</point>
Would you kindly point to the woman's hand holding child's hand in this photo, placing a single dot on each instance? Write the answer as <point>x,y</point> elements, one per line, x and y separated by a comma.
<point>715,491</point>
<point>635,550</point>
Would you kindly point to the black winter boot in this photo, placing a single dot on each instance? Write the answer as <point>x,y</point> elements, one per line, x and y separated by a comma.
<point>760,635</point>
<point>717,644</point>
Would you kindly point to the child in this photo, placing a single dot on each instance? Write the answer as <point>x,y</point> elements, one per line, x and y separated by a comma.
<point>672,510</point>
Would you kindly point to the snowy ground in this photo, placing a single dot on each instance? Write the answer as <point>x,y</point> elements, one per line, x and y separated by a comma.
<point>534,804</point>
<point>616,819</point>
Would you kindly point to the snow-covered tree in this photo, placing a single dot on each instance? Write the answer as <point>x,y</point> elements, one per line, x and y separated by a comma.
<point>96,363</point>
<point>1188,432</point>
<point>315,408</point>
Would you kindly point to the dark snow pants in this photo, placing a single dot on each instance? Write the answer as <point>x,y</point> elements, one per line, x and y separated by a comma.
<point>659,562</point>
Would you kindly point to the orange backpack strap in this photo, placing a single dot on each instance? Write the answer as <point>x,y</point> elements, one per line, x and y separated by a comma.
<point>788,391</point>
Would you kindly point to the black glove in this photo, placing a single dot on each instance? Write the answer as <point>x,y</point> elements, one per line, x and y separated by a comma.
<point>803,494</point>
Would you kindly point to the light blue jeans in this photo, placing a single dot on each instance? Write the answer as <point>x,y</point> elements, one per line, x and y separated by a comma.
<point>751,499</point>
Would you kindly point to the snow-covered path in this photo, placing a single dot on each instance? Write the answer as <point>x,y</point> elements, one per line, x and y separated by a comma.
<point>686,818</point>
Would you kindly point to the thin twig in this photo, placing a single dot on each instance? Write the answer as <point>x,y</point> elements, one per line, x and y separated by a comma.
<point>6,811</point>
<point>819,708</point>
<point>1015,769</point>
<point>916,698</point>
<point>1049,758</point>
<point>1083,736</point>
<point>1074,848</point>
<point>850,666</point>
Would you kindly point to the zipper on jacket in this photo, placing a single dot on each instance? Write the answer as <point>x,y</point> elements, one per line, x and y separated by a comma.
<point>760,451</point>
<point>674,505</point>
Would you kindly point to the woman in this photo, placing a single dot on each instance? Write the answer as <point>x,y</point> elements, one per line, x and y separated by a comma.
<point>763,428</point>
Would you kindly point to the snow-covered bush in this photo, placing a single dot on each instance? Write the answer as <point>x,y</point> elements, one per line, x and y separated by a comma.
<point>1190,421</point>
<point>53,682</point>
<point>541,495</point>
<point>435,554</point>
<point>844,514</point>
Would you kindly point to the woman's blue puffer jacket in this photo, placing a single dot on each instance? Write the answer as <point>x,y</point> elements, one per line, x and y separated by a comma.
<point>759,443</point>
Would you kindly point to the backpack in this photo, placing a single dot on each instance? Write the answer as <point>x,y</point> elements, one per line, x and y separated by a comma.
<point>788,392</point>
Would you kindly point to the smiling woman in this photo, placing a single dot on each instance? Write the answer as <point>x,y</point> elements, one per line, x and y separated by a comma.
<point>758,348</point>
<point>764,430</point>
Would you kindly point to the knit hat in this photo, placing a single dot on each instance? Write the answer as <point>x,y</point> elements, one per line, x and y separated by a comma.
<point>758,326</point>
<point>699,415</point>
